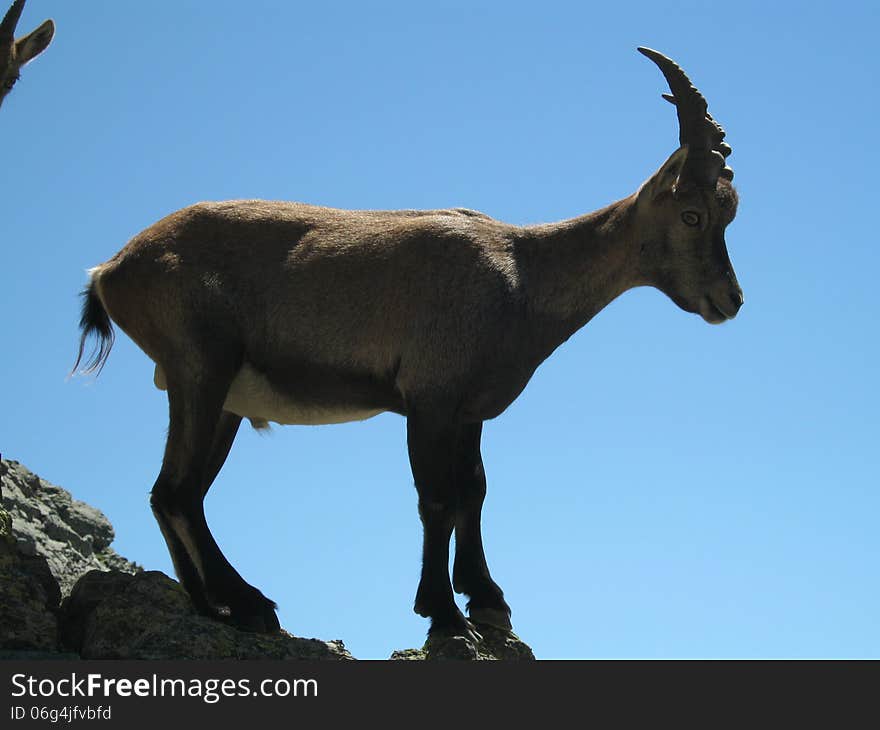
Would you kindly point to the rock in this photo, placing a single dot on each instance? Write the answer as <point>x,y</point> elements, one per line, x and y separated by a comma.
<point>6,536</point>
<point>116,615</point>
<point>29,597</point>
<point>72,536</point>
<point>496,644</point>
<point>407,655</point>
<point>505,645</point>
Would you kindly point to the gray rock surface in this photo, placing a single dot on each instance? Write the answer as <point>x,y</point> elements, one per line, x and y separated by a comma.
<point>29,597</point>
<point>114,615</point>
<point>496,645</point>
<point>72,536</point>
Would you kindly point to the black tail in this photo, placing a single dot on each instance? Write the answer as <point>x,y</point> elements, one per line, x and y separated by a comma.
<point>94,320</point>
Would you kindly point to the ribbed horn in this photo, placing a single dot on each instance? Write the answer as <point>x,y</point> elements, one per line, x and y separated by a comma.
<point>10,20</point>
<point>697,129</point>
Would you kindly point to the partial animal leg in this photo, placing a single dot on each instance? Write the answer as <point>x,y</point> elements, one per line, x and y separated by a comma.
<point>199,437</point>
<point>470,573</point>
<point>431,445</point>
<point>186,571</point>
<point>224,435</point>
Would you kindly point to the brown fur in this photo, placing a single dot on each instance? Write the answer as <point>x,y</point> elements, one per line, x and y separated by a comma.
<point>402,301</point>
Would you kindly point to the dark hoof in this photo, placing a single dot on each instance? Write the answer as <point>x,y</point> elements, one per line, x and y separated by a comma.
<point>446,618</point>
<point>265,622</point>
<point>496,617</point>
<point>457,626</point>
<point>250,611</point>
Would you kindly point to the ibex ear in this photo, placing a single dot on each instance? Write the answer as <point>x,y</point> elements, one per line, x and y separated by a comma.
<point>34,43</point>
<point>664,180</point>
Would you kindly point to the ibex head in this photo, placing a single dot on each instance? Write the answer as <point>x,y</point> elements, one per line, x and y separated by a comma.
<point>686,206</point>
<point>16,53</point>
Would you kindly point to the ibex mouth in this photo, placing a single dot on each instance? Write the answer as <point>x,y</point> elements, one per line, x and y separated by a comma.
<point>712,313</point>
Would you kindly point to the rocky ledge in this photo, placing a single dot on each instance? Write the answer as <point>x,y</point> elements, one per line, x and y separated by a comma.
<point>47,521</point>
<point>66,594</point>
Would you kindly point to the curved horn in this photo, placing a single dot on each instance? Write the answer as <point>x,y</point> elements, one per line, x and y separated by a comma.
<point>697,129</point>
<point>10,20</point>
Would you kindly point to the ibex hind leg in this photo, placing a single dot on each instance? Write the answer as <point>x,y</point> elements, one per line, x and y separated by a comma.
<point>224,435</point>
<point>199,437</point>
<point>244,605</point>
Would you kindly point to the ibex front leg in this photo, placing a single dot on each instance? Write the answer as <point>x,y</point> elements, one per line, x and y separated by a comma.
<point>199,437</point>
<point>432,444</point>
<point>470,574</point>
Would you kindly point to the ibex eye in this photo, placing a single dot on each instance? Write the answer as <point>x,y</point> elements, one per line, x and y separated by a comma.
<point>690,218</point>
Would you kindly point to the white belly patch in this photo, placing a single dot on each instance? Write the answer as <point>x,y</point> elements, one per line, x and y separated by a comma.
<point>252,396</point>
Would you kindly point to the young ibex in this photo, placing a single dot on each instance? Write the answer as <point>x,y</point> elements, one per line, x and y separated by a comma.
<point>16,53</point>
<point>297,314</point>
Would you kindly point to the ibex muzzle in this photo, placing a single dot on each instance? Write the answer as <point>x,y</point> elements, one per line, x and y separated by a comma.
<point>299,314</point>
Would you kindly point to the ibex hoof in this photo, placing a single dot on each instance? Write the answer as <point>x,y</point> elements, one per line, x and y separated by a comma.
<point>491,617</point>
<point>253,613</point>
<point>463,628</point>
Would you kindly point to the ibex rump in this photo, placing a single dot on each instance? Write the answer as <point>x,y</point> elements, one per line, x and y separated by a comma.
<point>16,53</point>
<point>299,314</point>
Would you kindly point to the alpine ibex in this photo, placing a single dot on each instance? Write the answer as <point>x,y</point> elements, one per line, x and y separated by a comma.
<point>297,314</point>
<point>16,53</point>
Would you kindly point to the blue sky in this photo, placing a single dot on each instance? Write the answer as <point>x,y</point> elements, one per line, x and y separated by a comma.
<point>662,488</point>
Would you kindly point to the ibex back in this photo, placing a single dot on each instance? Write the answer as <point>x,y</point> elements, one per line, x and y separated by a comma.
<point>299,314</point>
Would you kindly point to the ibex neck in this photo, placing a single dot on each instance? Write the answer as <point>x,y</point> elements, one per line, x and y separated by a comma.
<point>574,268</point>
